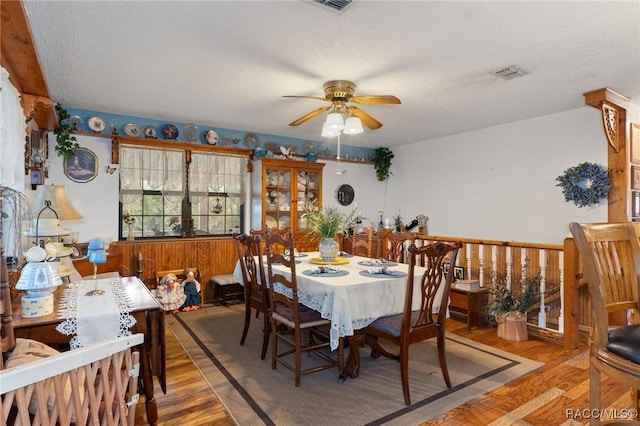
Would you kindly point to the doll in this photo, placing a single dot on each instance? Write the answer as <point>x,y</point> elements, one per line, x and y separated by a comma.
<point>192,293</point>
<point>170,293</point>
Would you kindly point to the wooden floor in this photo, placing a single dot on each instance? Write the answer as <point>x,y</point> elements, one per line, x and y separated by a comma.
<point>539,398</point>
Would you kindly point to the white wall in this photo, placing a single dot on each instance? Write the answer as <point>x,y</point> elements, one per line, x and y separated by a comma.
<point>499,183</point>
<point>496,183</point>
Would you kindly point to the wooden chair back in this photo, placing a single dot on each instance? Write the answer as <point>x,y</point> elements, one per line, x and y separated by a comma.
<point>362,243</point>
<point>275,246</point>
<point>394,246</point>
<point>256,291</point>
<point>610,254</point>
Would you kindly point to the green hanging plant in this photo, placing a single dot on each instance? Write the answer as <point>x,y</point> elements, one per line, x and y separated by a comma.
<point>382,163</point>
<point>66,143</point>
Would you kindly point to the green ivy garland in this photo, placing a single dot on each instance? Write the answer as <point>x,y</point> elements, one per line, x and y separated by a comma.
<point>585,184</point>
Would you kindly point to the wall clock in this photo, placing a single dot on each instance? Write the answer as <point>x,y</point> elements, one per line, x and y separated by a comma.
<point>345,194</point>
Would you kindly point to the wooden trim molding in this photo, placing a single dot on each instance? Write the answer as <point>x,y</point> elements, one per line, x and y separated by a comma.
<point>613,107</point>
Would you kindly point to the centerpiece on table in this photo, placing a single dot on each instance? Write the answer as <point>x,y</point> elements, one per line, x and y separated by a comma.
<point>510,308</point>
<point>327,224</point>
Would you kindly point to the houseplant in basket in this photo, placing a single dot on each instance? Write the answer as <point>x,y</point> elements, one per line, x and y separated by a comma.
<point>510,308</point>
<point>326,224</point>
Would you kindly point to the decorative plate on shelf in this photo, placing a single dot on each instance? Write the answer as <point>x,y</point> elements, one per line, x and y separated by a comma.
<point>251,141</point>
<point>97,124</point>
<point>211,137</point>
<point>272,146</point>
<point>75,122</point>
<point>132,130</point>
<point>190,133</point>
<point>308,147</point>
<point>151,132</point>
<point>169,131</point>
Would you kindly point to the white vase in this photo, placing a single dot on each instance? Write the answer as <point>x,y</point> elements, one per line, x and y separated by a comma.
<point>329,249</point>
<point>130,236</point>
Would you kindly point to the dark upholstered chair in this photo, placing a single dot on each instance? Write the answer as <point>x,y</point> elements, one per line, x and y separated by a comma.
<point>610,255</point>
<point>256,292</point>
<point>294,325</point>
<point>414,326</point>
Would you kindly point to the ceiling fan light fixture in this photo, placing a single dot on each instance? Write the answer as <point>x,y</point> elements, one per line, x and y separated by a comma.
<point>352,126</point>
<point>328,131</point>
<point>335,121</point>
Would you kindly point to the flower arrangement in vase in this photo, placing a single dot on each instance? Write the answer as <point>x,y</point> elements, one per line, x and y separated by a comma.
<point>509,309</point>
<point>326,224</point>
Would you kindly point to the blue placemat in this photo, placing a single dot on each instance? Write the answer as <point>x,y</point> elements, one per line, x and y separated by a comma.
<point>377,263</point>
<point>310,272</point>
<point>387,274</point>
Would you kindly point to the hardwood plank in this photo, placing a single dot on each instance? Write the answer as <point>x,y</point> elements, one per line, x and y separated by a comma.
<point>540,397</point>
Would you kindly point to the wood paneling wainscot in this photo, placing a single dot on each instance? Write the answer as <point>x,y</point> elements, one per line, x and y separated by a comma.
<point>212,256</point>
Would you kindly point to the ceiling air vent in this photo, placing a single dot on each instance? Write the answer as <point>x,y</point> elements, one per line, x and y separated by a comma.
<point>509,73</point>
<point>334,4</point>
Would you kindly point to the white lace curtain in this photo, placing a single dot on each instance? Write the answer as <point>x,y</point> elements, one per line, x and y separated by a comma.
<point>12,134</point>
<point>209,172</point>
<point>151,169</point>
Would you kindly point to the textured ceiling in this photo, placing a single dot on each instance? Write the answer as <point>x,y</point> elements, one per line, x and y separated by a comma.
<point>227,64</point>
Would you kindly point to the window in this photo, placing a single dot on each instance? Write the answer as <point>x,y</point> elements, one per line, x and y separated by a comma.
<point>167,196</point>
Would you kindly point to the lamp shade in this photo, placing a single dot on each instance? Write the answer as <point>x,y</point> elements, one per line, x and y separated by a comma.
<point>352,126</point>
<point>335,121</point>
<point>329,132</point>
<point>60,203</point>
<point>39,277</point>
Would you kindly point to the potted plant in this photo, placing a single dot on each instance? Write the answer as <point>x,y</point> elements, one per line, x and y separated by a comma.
<point>66,143</point>
<point>326,224</point>
<point>382,163</point>
<point>509,309</point>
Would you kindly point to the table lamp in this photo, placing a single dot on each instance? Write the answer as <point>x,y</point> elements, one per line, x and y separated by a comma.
<point>38,279</point>
<point>96,254</point>
<point>56,199</point>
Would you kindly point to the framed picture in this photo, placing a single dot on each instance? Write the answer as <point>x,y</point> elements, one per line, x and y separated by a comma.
<point>635,177</point>
<point>635,204</point>
<point>82,166</point>
<point>458,273</point>
<point>634,133</point>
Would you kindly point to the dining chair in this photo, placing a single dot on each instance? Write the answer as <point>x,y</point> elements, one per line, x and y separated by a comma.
<point>394,247</point>
<point>96,384</point>
<point>416,325</point>
<point>256,293</point>
<point>297,327</point>
<point>362,243</point>
<point>610,254</point>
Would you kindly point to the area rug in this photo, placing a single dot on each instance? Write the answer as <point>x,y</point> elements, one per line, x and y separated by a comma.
<point>255,394</point>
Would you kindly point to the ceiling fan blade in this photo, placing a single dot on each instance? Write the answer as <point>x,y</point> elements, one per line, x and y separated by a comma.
<point>375,99</point>
<point>366,119</point>
<point>307,97</point>
<point>309,116</point>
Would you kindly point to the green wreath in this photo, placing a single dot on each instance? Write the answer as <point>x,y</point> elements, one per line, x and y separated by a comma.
<point>585,184</point>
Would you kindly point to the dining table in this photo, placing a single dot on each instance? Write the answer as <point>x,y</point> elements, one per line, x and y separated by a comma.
<point>354,294</point>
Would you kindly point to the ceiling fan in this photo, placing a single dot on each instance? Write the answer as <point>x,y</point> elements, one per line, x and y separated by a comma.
<point>340,93</point>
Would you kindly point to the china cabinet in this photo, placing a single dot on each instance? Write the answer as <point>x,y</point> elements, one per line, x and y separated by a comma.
<point>280,191</point>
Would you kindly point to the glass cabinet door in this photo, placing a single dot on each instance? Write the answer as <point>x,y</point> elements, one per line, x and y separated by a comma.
<point>307,188</point>
<point>278,198</point>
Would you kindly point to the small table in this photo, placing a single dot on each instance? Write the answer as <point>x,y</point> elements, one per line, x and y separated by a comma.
<point>471,303</point>
<point>149,317</point>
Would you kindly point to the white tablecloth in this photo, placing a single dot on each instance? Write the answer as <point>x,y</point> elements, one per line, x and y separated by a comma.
<point>95,318</point>
<point>353,301</point>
